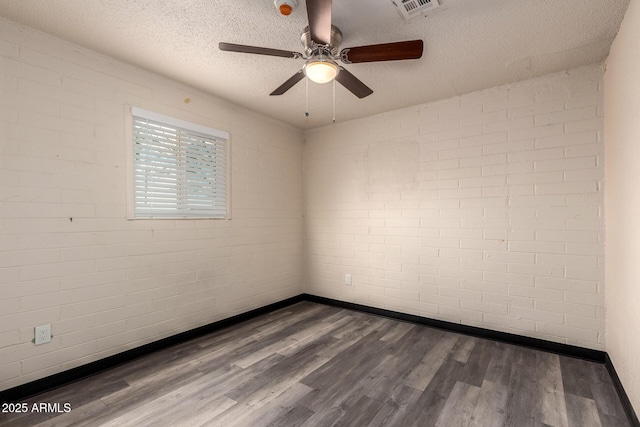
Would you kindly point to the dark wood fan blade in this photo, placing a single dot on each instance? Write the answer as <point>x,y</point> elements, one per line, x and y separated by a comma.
<point>319,15</point>
<point>383,52</point>
<point>352,83</point>
<point>232,47</point>
<point>288,84</point>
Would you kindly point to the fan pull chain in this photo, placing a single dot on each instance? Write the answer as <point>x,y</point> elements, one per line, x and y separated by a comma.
<point>334,100</point>
<point>306,106</point>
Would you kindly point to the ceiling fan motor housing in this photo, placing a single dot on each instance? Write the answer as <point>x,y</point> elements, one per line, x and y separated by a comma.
<point>311,47</point>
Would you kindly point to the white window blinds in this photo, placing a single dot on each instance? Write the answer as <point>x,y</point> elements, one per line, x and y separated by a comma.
<point>179,168</point>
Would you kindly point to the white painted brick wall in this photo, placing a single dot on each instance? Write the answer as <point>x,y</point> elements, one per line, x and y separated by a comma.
<point>104,283</point>
<point>497,193</point>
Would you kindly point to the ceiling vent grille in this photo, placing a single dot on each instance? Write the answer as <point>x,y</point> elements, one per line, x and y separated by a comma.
<point>410,9</point>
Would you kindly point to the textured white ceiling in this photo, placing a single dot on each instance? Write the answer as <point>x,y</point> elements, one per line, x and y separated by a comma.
<point>469,45</point>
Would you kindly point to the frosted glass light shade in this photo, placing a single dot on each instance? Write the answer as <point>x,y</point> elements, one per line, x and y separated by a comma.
<point>321,70</point>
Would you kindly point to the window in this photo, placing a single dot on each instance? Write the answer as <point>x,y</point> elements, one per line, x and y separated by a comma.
<point>179,168</point>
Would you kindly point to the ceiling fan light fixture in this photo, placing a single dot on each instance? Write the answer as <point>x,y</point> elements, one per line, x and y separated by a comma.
<point>321,69</point>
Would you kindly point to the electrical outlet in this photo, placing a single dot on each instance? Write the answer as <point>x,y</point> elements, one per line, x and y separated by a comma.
<point>347,279</point>
<point>43,334</point>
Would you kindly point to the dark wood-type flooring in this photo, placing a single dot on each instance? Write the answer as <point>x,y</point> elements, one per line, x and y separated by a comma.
<point>316,365</point>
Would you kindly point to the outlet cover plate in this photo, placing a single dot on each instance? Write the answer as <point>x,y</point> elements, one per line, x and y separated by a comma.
<point>43,334</point>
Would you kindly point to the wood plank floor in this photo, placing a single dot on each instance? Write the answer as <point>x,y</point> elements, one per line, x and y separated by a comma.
<point>315,365</point>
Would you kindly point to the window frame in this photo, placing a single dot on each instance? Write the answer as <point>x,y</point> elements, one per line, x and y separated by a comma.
<point>130,113</point>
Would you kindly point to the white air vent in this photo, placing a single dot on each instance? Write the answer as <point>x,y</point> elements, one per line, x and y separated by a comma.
<point>410,9</point>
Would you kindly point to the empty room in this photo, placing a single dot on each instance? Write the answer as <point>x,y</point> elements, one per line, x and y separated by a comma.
<point>319,212</point>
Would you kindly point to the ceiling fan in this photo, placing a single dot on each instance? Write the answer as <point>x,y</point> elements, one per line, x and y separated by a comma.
<point>321,41</point>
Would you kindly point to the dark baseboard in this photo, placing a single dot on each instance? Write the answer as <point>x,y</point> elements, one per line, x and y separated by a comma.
<point>32,388</point>
<point>21,392</point>
<point>626,403</point>
<point>536,343</point>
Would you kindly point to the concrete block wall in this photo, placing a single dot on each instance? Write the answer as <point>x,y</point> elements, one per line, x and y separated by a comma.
<point>484,209</point>
<point>69,256</point>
